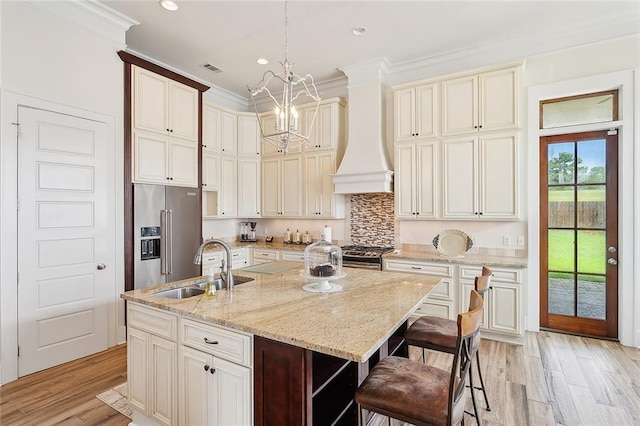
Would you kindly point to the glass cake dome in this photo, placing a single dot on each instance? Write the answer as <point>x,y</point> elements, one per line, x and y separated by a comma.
<point>323,263</point>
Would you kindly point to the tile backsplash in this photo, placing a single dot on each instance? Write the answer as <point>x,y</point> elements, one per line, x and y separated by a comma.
<point>372,219</point>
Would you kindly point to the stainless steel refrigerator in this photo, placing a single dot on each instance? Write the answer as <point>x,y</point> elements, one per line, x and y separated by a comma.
<point>166,234</point>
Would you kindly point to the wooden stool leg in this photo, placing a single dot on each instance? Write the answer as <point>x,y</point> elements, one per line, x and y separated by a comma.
<point>484,391</point>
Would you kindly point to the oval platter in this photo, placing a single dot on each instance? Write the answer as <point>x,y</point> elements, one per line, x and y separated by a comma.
<point>452,242</point>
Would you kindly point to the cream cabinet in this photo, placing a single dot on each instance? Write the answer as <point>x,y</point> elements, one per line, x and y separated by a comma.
<point>319,198</point>
<point>484,102</point>
<point>260,256</point>
<point>293,256</point>
<point>248,187</point>
<point>502,302</point>
<point>416,180</point>
<point>211,130</point>
<point>442,300</point>
<point>213,259</point>
<point>479,176</point>
<point>415,112</point>
<point>269,127</point>
<point>228,187</point>
<point>216,378</point>
<point>328,129</point>
<point>210,171</point>
<point>164,160</point>
<point>228,133</point>
<point>282,187</point>
<point>248,136</point>
<point>163,105</point>
<point>152,355</point>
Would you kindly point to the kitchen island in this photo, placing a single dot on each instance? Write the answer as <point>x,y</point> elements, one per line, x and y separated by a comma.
<point>307,352</point>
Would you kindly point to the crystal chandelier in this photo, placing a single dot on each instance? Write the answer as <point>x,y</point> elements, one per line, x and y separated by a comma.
<point>287,131</point>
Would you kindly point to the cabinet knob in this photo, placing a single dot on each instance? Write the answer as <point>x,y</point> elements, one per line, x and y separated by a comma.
<point>206,368</point>
<point>210,342</point>
<point>167,130</point>
<point>204,184</point>
<point>213,370</point>
<point>417,134</point>
<point>480,213</point>
<point>171,131</point>
<point>475,127</point>
<point>204,146</point>
<point>480,126</point>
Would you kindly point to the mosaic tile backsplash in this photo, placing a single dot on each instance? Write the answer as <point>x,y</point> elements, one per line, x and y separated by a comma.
<point>372,219</point>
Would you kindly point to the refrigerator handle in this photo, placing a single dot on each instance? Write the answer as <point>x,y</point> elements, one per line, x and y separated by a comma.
<point>170,241</point>
<point>163,242</point>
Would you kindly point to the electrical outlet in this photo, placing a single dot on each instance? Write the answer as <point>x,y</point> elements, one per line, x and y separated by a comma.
<point>520,241</point>
<point>506,240</point>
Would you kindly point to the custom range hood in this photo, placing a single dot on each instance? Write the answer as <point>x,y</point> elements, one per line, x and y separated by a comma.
<point>365,165</point>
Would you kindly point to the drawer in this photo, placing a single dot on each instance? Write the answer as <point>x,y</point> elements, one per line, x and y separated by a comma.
<point>293,256</point>
<point>153,321</point>
<point>222,342</point>
<point>238,254</point>
<point>437,269</point>
<point>444,291</point>
<point>512,276</point>
<point>265,254</point>
<point>436,309</point>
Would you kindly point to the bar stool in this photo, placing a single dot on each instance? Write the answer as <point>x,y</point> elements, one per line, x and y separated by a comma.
<point>417,393</point>
<point>439,334</point>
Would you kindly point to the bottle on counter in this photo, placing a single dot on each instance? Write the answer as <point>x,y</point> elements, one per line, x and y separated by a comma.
<point>210,289</point>
<point>306,238</point>
<point>287,236</point>
<point>296,237</point>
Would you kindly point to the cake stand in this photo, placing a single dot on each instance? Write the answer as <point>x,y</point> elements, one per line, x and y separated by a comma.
<point>323,284</point>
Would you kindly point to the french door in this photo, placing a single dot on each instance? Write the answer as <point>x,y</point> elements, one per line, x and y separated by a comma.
<point>579,233</point>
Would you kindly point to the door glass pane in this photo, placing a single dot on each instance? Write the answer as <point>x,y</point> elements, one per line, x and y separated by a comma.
<point>593,108</point>
<point>561,294</point>
<point>561,251</point>
<point>561,161</point>
<point>591,206</point>
<point>592,296</point>
<point>561,206</point>
<point>591,161</point>
<point>592,252</point>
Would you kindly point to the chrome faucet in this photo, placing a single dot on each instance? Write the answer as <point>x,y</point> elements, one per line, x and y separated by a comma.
<point>226,277</point>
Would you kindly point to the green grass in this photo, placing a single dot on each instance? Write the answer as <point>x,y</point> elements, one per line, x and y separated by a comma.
<point>562,194</point>
<point>591,253</point>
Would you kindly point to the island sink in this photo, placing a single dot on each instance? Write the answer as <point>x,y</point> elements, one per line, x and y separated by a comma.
<point>180,293</point>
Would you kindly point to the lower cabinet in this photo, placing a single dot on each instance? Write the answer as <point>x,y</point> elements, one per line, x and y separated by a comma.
<point>239,259</point>
<point>264,256</point>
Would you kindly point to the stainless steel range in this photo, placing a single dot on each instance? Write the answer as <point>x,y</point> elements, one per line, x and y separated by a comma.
<point>368,257</point>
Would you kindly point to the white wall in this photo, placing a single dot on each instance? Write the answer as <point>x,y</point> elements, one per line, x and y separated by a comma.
<point>49,60</point>
<point>229,229</point>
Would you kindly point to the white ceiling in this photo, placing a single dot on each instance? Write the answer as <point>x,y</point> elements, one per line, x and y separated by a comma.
<point>231,35</point>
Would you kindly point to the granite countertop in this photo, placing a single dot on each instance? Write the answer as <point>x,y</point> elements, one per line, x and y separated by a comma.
<point>465,259</point>
<point>259,244</point>
<point>351,324</point>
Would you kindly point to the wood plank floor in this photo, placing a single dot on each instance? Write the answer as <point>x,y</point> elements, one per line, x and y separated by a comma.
<point>554,379</point>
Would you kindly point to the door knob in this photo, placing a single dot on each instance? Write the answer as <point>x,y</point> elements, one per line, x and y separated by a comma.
<point>612,261</point>
<point>101,266</point>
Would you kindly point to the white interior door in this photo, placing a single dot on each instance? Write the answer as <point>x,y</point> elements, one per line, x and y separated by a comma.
<point>66,238</point>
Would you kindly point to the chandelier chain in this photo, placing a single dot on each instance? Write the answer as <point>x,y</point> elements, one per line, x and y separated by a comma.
<point>286,33</point>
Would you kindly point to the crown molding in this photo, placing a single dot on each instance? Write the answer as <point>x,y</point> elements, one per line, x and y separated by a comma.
<point>373,70</point>
<point>91,15</point>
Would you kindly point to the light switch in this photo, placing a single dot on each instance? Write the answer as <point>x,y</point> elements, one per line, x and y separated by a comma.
<point>520,241</point>
<point>506,240</point>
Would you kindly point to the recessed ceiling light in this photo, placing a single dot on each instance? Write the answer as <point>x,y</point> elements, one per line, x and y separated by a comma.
<point>262,61</point>
<point>169,5</point>
<point>358,31</point>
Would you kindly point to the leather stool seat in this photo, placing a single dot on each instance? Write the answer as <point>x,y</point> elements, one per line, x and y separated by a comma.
<point>418,391</point>
<point>438,334</point>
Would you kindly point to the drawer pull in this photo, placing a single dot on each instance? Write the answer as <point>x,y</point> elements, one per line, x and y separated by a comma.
<point>210,342</point>
<point>416,267</point>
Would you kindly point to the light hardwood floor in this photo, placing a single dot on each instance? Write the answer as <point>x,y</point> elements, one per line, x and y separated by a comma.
<point>553,379</point>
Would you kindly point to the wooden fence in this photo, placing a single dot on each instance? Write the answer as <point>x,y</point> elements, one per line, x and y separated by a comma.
<point>591,214</point>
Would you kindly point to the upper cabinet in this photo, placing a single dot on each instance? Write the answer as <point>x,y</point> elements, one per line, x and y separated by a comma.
<point>269,126</point>
<point>163,105</point>
<point>248,135</point>
<point>211,129</point>
<point>484,102</point>
<point>416,180</point>
<point>228,133</point>
<point>328,127</point>
<point>416,112</point>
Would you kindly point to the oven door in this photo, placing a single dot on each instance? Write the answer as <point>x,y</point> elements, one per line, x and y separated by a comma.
<point>377,266</point>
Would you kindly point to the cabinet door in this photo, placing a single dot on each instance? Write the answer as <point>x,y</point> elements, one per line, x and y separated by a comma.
<point>269,127</point>
<point>498,194</point>
<point>150,101</point>
<point>150,160</point>
<point>183,111</point>
<point>229,187</point>
<point>270,188</point>
<point>425,111</point>
<point>311,205</point>
<point>138,368</point>
<point>459,176</point>
<point>229,133</point>
<point>249,188</point>
<point>498,100</point>
<point>183,162</point>
<point>291,184</point>
<point>248,136</point>
<point>426,174</point>
<point>459,105</point>
<point>465,291</point>
<point>163,406</point>
<point>210,171</point>
<point>504,308</point>
<point>211,129</point>
<point>231,394</point>
<point>195,384</point>
<point>405,180</point>
<point>327,127</point>
<point>404,115</point>
<point>326,168</point>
